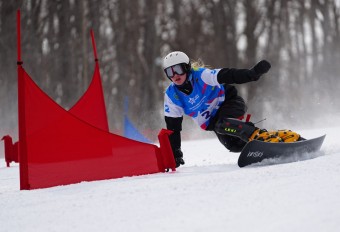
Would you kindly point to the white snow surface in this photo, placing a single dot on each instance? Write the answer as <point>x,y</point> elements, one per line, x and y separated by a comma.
<point>209,193</point>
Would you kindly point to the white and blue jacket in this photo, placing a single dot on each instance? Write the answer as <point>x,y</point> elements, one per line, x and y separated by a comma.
<point>202,103</point>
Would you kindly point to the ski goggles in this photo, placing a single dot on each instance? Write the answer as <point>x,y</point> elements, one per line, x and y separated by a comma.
<point>175,69</point>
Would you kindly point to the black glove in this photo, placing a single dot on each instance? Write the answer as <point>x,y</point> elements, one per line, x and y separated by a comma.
<point>260,68</point>
<point>178,154</point>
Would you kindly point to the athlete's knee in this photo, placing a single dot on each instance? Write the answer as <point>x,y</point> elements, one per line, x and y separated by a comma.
<point>235,127</point>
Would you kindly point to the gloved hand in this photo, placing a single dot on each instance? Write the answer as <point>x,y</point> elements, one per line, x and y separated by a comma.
<point>178,154</point>
<point>260,68</point>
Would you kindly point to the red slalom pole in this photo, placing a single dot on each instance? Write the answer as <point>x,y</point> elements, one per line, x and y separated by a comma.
<point>23,167</point>
<point>94,46</point>
<point>18,38</point>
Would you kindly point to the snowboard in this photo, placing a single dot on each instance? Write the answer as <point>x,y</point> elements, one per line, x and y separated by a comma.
<point>256,151</point>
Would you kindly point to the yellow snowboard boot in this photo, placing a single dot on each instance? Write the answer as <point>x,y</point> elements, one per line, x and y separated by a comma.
<point>286,136</point>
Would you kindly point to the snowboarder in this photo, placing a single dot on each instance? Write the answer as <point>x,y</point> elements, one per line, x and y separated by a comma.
<point>207,96</point>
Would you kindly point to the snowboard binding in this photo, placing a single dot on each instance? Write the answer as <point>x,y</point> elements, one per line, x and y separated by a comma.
<point>279,136</point>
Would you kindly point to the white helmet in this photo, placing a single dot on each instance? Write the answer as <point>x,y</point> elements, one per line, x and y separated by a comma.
<point>174,58</point>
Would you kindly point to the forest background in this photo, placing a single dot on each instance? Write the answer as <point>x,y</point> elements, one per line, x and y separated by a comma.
<point>299,37</point>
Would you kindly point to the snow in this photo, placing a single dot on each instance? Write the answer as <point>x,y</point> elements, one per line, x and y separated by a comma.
<point>209,193</point>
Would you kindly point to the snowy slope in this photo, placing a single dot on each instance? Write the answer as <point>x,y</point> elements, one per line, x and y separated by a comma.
<point>209,193</point>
